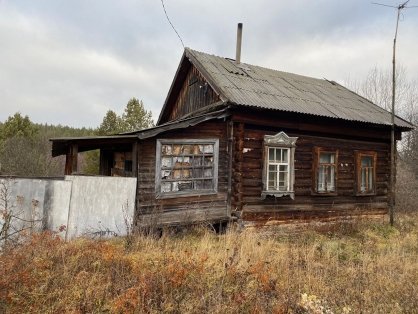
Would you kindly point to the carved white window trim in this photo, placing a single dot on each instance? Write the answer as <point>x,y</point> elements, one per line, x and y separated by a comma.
<point>280,140</point>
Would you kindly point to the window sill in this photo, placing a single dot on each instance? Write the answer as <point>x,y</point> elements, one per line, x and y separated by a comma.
<point>366,194</point>
<point>185,194</point>
<point>313,193</point>
<point>264,194</point>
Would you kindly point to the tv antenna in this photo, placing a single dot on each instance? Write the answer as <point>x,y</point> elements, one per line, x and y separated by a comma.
<point>399,7</point>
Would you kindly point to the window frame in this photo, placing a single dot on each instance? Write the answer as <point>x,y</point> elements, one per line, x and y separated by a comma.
<point>315,171</point>
<point>282,141</point>
<point>158,165</point>
<point>358,168</point>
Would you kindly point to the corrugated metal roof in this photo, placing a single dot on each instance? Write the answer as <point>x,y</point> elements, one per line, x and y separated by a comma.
<point>255,86</point>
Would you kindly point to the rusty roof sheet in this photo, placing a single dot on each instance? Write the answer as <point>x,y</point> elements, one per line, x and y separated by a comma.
<point>255,86</point>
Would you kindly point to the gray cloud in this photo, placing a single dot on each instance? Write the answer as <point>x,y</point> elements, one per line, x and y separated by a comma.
<point>69,62</point>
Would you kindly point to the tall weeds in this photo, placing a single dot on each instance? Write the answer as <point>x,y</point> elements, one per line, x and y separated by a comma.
<point>371,269</point>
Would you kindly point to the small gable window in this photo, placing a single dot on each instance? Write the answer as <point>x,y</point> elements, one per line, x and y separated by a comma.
<point>366,173</point>
<point>325,171</point>
<point>278,173</point>
<point>186,167</point>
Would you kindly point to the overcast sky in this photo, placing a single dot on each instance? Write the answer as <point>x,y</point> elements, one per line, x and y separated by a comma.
<point>68,62</point>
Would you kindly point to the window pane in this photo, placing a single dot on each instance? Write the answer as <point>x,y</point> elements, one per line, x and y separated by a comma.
<point>208,184</point>
<point>183,166</point>
<point>165,187</point>
<point>197,173</point>
<point>326,158</point>
<point>208,149</point>
<point>165,174</point>
<point>208,173</point>
<point>197,150</point>
<point>371,187</point>
<point>176,173</point>
<point>166,162</point>
<point>166,149</point>
<point>364,180</point>
<point>272,177</point>
<point>321,179</point>
<point>198,185</point>
<point>283,178</point>
<point>197,161</point>
<point>285,153</point>
<point>366,161</point>
<point>367,184</point>
<point>187,149</point>
<point>271,154</point>
<point>330,178</point>
<point>208,161</point>
<point>176,149</point>
<point>326,178</point>
<point>185,185</point>
<point>279,152</point>
<point>186,173</point>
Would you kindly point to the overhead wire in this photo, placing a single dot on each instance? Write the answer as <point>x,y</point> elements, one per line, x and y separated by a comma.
<point>169,21</point>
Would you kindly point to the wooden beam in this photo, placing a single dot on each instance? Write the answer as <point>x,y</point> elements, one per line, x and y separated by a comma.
<point>74,159</point>
<point>134,159</point>
<point>71,159</point>
<point>68,161</point>
<point>321,125</point>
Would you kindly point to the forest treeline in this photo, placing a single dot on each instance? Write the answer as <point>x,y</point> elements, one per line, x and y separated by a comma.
<point>25,149</point>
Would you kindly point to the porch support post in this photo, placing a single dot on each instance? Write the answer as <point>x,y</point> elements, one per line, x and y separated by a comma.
<point>71,159</point>
<point>135,159</point>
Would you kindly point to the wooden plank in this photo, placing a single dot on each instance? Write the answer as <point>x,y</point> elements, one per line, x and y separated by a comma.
<point>309,207</point>
<point>291,121</point>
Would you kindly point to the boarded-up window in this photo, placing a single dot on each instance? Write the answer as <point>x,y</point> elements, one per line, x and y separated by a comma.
<point>325,171</point>
<point>366,172</point>
<point>186,167</point>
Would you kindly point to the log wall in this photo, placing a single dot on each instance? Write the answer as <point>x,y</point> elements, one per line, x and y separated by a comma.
<point>182,209</point>
<point>247,183</point>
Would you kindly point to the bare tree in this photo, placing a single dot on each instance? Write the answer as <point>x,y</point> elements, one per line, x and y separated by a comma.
<point>12,215</point>
<point>377,87</point>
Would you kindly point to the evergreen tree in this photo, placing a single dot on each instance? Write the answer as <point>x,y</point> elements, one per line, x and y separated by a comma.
<point>19,126</point>
<point>136,117</point>
<point>111,124</point>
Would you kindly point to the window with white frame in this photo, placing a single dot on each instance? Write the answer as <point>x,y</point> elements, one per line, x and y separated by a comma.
<point>325,171</point>
<point>278,169</point>
<point>278,174</point>
<point>185,167</point>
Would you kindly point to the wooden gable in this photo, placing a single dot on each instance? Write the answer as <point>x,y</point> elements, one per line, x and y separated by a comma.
<point>189,92</point>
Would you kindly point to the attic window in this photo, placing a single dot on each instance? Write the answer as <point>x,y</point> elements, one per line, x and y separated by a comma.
<point>186,167</point>
<point>278,172</point>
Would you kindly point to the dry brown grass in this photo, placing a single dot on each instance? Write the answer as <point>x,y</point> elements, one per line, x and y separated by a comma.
<point>365,268</point>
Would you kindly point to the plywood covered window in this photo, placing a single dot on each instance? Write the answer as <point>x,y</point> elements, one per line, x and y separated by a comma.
<point>185,167</point>
<point>366,172</point>
<point>278,173</point>
<point>325,171</point>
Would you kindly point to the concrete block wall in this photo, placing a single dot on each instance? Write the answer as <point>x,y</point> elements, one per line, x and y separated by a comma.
<point>92,206</point>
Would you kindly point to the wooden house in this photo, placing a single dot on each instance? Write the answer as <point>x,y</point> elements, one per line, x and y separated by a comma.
<point>239,140</point>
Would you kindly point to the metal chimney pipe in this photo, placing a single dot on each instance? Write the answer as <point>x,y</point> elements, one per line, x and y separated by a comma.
<point>239,40</point>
